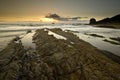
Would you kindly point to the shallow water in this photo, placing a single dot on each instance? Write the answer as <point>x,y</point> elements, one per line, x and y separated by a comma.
<point>100,44</point>
<point>56,35</point>
<point>97,41</point>
<point>7,32</point>
<point>27,41</point>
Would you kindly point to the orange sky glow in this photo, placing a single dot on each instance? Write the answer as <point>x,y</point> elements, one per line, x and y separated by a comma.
<point>36,10</point>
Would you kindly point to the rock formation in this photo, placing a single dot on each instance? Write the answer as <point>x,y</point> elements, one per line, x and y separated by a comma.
<point>56,59</point>
<point>112,20</point>
<point>92,21</point>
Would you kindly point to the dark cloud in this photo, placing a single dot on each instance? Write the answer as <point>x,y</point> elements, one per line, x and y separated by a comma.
<point>57,17</point>
<point>54,16</point>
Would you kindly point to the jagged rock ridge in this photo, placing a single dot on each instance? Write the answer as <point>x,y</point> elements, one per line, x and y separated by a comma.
<point>56,59</point>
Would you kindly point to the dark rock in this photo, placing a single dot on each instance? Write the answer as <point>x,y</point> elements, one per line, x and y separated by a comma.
<point>16,38</point>
<point>53,23</point>
<point>96,35</point>
<point>28,31</point>
<point>112,42</point>
<point>116,39</point>
<point>112,20</point>
<point>92,21</point>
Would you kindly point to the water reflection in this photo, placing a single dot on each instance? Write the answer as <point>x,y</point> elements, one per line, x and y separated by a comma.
<point>100,44</point>
<point>27,41</point>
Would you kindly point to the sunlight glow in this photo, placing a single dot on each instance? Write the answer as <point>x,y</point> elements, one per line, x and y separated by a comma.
<point>48,20</point>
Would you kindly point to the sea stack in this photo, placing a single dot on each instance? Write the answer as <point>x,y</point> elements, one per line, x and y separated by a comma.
<point>92,21</point>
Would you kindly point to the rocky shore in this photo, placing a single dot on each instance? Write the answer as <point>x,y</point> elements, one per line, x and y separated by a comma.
<point>113,22</point>
<point>58,55</point>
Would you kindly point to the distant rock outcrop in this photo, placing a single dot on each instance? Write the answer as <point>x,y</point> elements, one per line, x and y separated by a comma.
<point>112,20</point>
<point>92,21</point>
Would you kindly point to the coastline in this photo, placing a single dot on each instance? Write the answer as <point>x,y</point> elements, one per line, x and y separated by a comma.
<point>61,53</point>
<point>112,56</point>
<point>113,26</point>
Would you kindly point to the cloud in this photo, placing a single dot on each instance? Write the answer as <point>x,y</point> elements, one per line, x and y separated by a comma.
<point>57,17</point>
<point>54,16</point>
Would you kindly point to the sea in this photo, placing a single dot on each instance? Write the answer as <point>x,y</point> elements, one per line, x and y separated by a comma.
<point>10,30</point>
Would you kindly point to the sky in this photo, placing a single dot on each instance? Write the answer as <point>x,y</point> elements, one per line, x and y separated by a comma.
<point>34,10</point>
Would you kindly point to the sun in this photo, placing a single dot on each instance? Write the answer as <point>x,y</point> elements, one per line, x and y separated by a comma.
<point>48,20</point>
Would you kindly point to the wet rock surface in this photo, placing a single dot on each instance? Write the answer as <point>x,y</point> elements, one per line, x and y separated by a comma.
<point>56,59</point>
<point>112,42</point>
<point>95,35</point>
